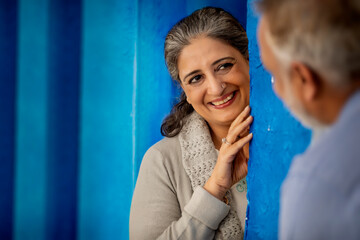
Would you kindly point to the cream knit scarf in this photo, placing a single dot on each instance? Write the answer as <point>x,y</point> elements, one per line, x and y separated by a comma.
<point>199,157</point>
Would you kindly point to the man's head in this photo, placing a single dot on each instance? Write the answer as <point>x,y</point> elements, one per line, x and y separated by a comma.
<point>312,49</point>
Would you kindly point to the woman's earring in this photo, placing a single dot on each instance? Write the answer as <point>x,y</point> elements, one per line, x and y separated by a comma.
<point>272,80</point>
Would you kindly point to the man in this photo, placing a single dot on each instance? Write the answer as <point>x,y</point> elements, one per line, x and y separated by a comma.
<point>312,50</point>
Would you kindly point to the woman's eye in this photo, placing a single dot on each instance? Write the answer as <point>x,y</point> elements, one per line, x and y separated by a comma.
<point>224,66</point>
<point>195,79</point>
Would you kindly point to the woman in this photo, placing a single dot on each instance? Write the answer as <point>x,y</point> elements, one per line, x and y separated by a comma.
<point>187,186</point>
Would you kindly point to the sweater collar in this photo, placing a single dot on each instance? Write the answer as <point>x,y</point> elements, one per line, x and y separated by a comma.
<point>199,157</point>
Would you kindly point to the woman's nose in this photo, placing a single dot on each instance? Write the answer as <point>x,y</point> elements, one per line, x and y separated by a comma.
<point>215,86</point>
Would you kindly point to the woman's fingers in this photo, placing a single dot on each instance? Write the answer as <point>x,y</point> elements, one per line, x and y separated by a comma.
<point>245,132</point>
<point>228,169</point>
<point>234,148</point>
<point>241,117</point>
<point>242,141</point>
<point>238,130</point>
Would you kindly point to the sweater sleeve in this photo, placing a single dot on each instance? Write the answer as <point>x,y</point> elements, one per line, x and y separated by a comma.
<point>155,211</point>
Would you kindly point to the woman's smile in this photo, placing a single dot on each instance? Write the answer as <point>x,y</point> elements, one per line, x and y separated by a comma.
<point>215,79</point>
<point>224,101</point>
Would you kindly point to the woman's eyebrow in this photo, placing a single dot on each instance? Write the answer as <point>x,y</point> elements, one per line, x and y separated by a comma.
<point>221,59</point>
<point>189,74</point>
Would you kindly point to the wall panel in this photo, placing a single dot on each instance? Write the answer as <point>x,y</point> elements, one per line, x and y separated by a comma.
<point>8,33</point>
<point>106,120</point>
<point>31,123</point>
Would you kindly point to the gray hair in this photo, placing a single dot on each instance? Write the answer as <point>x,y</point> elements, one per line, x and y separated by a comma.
<point>325,35</point>
<point>209,22</point>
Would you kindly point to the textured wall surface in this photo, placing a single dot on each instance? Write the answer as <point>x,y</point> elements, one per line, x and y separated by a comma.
<point>46,149</point>
<point>277,138</point>
<point>84,89</point>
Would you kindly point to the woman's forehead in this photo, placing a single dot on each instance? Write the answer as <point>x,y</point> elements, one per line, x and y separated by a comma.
<point>205,51</point>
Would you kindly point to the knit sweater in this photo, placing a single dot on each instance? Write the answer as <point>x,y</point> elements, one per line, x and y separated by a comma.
<point>169,201</point>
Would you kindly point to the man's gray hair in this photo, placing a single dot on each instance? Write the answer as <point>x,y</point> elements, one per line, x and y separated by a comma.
<point>323,34</point>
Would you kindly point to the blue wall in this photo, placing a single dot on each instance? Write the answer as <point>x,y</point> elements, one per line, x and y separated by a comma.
<point>8,50</point>
<point>83,91</point>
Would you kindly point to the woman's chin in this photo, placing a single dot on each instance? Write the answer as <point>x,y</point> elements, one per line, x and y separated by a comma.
<point>227,119</point>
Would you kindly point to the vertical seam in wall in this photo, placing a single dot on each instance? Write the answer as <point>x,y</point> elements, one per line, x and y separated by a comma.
<point>133,113</point>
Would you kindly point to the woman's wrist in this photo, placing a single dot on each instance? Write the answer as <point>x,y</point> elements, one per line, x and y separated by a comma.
<point>215,190</point>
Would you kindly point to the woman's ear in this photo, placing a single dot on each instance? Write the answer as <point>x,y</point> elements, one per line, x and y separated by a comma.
<point>184,94</point>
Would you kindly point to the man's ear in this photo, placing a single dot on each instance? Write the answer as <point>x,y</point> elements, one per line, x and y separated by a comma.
<point>308,82</point>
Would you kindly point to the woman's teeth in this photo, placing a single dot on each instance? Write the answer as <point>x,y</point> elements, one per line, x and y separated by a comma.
<point>224,101</point>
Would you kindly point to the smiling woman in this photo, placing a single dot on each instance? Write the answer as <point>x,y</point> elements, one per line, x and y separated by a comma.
<point>218,88</point>
<point>186,184</point>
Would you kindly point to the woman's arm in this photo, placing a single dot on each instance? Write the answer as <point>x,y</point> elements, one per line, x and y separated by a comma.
<point>155,210</point>
<point>232,162</point>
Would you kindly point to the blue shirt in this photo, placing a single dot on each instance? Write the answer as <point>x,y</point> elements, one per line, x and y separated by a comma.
<point>320,197</point>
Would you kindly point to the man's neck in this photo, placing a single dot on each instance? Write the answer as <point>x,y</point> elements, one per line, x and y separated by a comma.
<point>334,101</point>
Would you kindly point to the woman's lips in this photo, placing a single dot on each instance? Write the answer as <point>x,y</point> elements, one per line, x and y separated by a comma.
<point>224,101</point>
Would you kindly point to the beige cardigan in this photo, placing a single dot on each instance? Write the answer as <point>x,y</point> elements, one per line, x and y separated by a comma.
<point>164,205</point>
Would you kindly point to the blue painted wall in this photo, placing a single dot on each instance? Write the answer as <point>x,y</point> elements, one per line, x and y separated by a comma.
<point>8,50</point>
<point>84,88</point>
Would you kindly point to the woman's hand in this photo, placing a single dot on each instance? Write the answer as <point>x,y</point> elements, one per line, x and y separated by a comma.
<point>231,165</point>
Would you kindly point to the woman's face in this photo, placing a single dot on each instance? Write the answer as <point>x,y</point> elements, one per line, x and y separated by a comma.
<point>215,78</point>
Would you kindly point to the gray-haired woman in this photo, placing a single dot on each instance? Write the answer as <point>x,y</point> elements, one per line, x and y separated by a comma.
<point>191,184</point>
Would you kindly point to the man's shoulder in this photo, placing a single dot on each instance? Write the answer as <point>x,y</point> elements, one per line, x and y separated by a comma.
<point>329,169</point>
<point>312,209</point>
<point>335,157</point>
<point>322,189</point>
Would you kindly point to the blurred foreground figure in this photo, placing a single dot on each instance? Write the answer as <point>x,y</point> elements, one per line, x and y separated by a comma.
<point>312,49</point>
